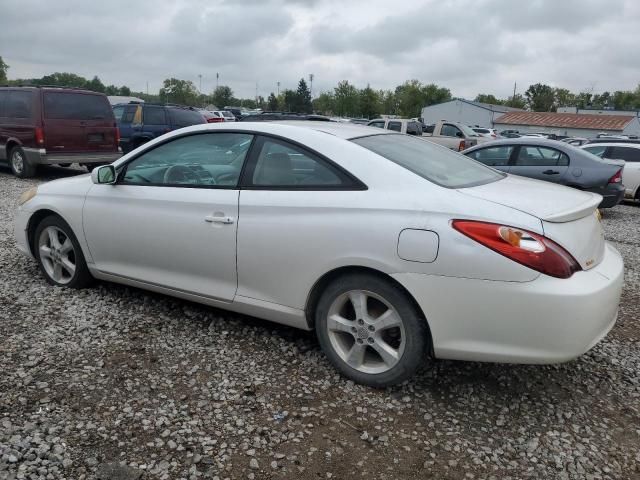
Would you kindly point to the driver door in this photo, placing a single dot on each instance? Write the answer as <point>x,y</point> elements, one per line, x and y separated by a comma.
<point>171,218</point>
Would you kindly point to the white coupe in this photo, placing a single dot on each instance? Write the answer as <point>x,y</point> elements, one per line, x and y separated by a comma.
<point>392,248</point>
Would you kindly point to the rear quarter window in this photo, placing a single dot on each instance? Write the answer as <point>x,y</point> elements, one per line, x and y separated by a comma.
<point>76,106</point>
<point>183,117</point>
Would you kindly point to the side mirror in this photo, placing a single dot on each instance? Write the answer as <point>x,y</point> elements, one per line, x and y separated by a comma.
<point>459,134</point>
<point>104,175</point>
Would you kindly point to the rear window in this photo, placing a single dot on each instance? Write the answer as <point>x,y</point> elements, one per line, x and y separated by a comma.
<point>183,117</point>
<point>154,116</point>
<point>18,104</point>
<point>430,161</point>
<point>76,106</point>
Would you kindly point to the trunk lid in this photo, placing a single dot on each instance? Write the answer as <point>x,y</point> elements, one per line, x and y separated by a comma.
<point>568,216</point>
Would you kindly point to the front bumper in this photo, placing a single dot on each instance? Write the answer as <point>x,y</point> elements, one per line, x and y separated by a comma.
<point>547,320</point>
<point>39,156</point>
<point>20,225</point>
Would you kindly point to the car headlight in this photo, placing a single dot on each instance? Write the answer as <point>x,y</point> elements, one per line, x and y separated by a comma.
<point>28,195</point>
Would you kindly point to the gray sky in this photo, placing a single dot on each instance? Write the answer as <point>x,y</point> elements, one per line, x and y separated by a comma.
<point>469,46</point>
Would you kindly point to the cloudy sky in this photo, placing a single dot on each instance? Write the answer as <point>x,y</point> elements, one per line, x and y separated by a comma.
<point>469,46</point>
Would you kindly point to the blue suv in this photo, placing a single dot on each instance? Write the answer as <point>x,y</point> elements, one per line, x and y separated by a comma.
<point>141,122</point>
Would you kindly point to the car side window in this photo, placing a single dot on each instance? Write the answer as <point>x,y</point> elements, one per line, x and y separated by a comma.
<point>199,160</point>
<point>450,131</point>
<point>280,164</point>
<point>493,156</point>
<point>154,116</point>
<point>379,124</point>
<point>18,104</point>
<point>532,156</point>
<point>118,112</point>
<point>395,126</point>
<point>3,98</point>
<point>596,150</point>
<point>628,154</point>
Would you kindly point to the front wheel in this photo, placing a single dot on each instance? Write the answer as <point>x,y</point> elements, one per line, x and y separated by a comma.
<point>370,331</point>
<point>59,255</point>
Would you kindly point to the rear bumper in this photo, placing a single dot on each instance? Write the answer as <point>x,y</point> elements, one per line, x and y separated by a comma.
<point>547,320</point>
<point>39,156</point>
<point>612,195</point>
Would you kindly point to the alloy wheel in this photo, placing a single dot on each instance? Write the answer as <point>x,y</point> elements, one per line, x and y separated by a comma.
<point>57,254</point>
<point>17,162</point>
<point>366,331</point>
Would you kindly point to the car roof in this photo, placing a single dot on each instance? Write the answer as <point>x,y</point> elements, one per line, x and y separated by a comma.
<point>345,130</point>
<point>612,144</point>
<point>536,141</point>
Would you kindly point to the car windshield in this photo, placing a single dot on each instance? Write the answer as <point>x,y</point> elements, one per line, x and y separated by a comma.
<point>430,161</point>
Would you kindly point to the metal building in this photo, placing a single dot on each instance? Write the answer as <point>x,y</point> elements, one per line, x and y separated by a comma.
<point>466,111</point>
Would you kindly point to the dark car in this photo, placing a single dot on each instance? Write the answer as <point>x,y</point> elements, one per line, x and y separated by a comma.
<point>54,125</point>
<point>140,122</point>
<point>271,116</point>
<point>556,162</point>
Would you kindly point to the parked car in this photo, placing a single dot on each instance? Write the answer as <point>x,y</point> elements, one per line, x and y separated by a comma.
<point>228,116</point>
<point>508,132</point>
<point>53,125</point>
<point>359,121</point>
<point>453,135</point>
<point>140,123</point>
<point>280,116</point>
<point>392,248</point>
<point>212,116</point>
<point>235,111</point>
<point>486,132</point>
<point>556,162</point>
<point>630,153</point>
<point>401,125</point>
<point>575,141</point>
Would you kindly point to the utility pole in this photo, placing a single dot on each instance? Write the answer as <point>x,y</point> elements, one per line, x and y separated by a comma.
<point>217,78</point>
<point>514,91</point>
<point>256,94</point>
<point>278,83</point>
<point>147,88</point>
<point>311,85</point>
<point>200,77</point>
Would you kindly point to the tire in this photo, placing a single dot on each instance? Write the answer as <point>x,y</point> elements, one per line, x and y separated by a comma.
<point>352,344</point>
<point>64,165</point>
<point>20,166</point>
<point>57,249</point>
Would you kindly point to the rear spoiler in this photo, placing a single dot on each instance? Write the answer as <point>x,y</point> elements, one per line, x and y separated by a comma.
<point>576,213</point>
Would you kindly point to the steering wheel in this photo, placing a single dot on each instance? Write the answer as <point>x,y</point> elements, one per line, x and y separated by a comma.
<point>181,174</point>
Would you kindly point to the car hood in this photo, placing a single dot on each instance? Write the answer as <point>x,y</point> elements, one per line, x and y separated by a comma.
<point>545,200</point>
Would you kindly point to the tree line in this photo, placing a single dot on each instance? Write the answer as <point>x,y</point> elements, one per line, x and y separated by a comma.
<point>345,99</point>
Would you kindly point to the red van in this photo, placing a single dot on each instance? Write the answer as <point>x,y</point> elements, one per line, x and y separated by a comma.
<point>55,125</point>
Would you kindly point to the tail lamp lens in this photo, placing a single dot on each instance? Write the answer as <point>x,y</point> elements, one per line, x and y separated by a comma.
<point>526,248</point>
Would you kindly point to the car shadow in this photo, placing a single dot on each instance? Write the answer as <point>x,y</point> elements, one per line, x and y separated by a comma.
<point>51,172</point>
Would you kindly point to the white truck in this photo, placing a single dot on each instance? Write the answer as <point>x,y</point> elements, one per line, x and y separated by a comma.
<point>453,135</point>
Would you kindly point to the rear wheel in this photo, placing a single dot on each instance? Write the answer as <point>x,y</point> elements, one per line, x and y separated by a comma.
<point>19,163</point>
<point>370,331</point>
<point>64,164</point>
<point>59,255</point>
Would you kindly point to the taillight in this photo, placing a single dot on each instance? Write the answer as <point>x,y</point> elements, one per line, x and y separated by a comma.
<point>617,178</point>
<point>526,248</point>
<point>215,120</point>
<point>39,136</point>
<point>462,145</point>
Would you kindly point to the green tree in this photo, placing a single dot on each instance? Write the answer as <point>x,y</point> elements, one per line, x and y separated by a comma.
<point>222,96</point>
<point>388,103</point>
<point>346,99</point>
<point>289,100</point>
<point>584,99</point>
<point>516,101</point>
<point>433,94</point>
<point>488,98</point>
<point>303,100</point>
<point>63,79</point>
<point>95,85</point>
<point>124,91</point>
<point>623,100</point>
<point>3,71</point>
<point>179,91</point>
<point>324,103</point>
<point>602,100</point>
<point>564,98</point>
<point>272,102</point>
<point>540,98</point>
<point>369,103</point>
<point>412,96</point>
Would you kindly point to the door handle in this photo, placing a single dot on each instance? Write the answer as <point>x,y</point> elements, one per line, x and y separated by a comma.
<point>550,172</point>
<point>219,219</point>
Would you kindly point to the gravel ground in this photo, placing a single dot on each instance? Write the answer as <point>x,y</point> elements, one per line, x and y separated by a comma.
<point>118,383</point>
